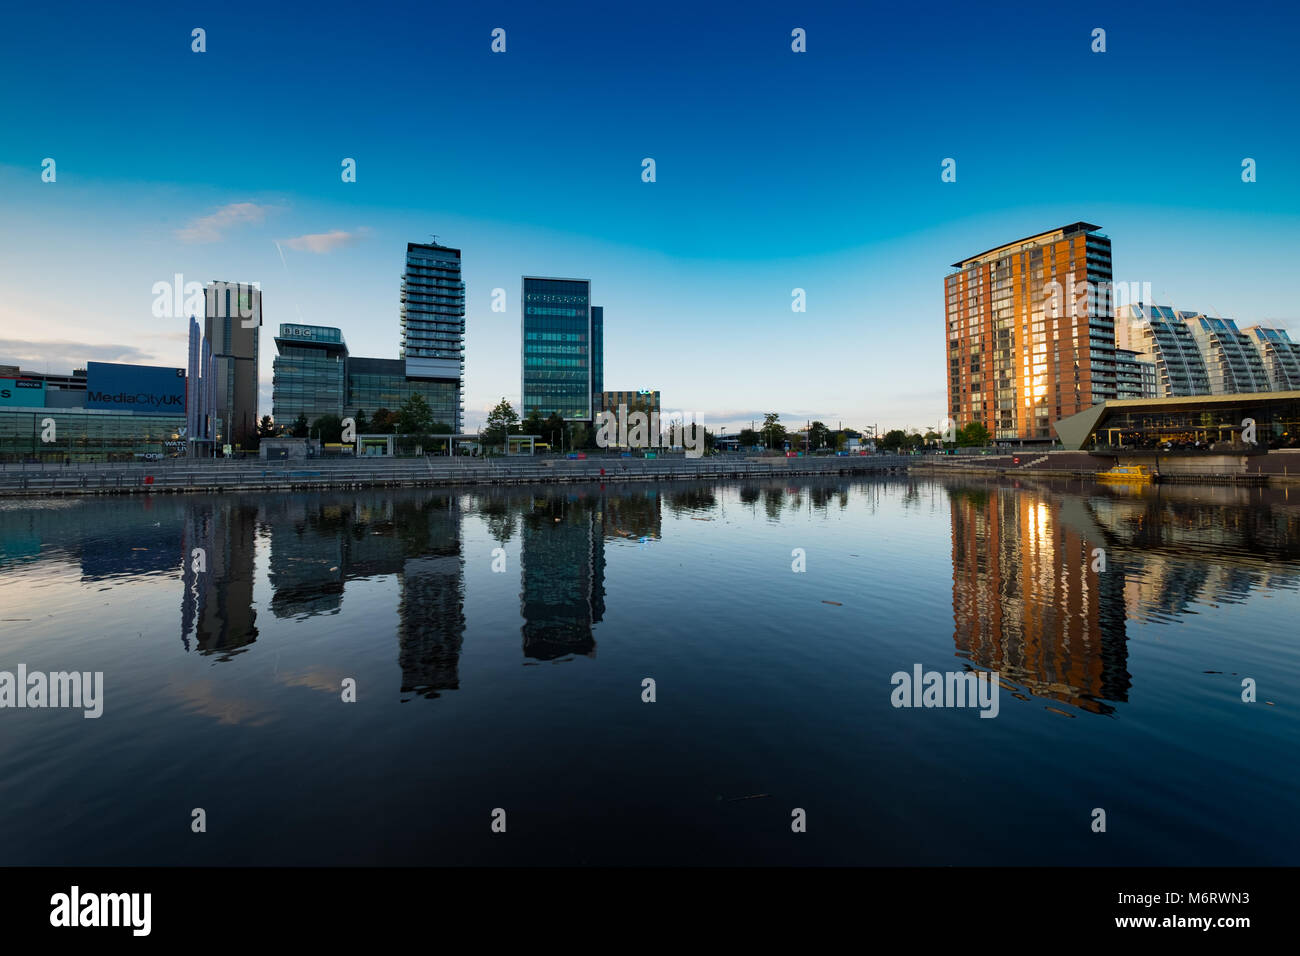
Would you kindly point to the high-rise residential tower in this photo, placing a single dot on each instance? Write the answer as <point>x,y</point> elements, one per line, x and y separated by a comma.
<point>232,324</point>
<point>1030,333</point>
<point>433,324</point>
<point>556,348</point>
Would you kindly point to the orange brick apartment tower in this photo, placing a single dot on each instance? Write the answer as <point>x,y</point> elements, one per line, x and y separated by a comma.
<point>1031,332</point>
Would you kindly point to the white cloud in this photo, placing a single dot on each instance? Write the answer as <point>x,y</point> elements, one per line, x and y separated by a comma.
<point>323,242</point>
<point>210,228</point>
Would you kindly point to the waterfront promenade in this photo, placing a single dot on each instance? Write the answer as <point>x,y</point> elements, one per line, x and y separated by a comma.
<point>181,475</point>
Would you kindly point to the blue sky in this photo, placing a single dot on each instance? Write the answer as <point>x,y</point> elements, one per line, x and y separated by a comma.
<point>775,170</point>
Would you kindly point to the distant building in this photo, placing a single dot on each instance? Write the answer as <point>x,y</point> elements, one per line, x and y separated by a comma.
<point>1134,376</point>
<point>1161,335</point>
<point>1030,332</point>
<point>232,324</point>
<point>645,399</point>
<point>556,348</point>
<point>1281,356</point>
<point>433,323</point>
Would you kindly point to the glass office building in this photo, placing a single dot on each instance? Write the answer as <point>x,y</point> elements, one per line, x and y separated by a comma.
<point>373,384</point>
<point>308,373</point>
<point>46,418</point>
<point>433,320</point>
<point>556,348</point>
<point>87,434</point>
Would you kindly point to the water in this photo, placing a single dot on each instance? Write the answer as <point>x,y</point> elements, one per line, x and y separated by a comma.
<point>521,689</point>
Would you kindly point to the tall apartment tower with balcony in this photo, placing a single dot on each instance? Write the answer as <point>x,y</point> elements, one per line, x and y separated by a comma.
<point>1160,335</point>
<point>1280,355</point>
<point>1030,333</point>
<point>433,321</point>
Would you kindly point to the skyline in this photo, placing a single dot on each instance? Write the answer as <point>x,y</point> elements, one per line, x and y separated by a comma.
<point>774,171</point>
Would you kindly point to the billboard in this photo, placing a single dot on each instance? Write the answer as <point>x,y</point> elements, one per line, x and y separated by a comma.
<point>145,389</point>
<point>22,393</point>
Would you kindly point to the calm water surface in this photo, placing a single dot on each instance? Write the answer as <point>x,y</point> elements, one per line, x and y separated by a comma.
<point>499,639</point>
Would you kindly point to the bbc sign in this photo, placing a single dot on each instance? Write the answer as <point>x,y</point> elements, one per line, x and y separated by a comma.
<point>135,388</point>
<point>22,393</point>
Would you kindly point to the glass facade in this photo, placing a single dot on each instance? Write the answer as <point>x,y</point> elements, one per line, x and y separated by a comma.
<point>88,434</point>
<point>556,341</point>
<point>1183,424</point>
<point>597,355</point>
<point>373,384</point>
<point>308,373</point>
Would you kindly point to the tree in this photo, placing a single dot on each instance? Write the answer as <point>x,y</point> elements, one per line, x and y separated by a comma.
<point>533,424</point>
<point>500,422</point>
<point>267,428</point>
<point>361,421</point>
<point>973,435</point>
<point>819,436</point>
<point>384,422</point>
<point>894,439</point>
<point>580,436</point>
<point>749,438</point>
<point>328,428</point>
<point>553,430</point>
<point>300,427</point>
<point>773,431</point>
<point>415,417</point>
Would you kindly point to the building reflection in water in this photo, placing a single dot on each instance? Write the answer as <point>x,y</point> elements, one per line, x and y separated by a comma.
<point>562,559</point>
<point>319,543</point>
<point>1030,600</point>
<point>217,612</point>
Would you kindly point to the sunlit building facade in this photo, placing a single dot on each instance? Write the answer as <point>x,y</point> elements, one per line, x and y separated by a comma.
<point>1030,332</point>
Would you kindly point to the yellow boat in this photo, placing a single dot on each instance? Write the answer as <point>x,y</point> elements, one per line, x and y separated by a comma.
<point>1137,474</point>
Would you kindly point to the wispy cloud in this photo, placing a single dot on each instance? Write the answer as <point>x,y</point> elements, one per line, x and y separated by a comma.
<point>211,228</point>
<point>60,357</point>
<point>323,242</point>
